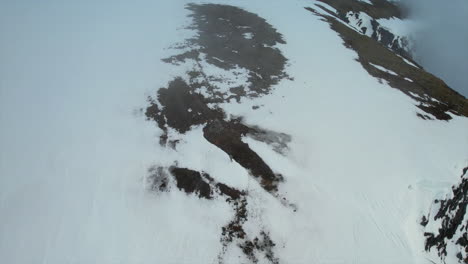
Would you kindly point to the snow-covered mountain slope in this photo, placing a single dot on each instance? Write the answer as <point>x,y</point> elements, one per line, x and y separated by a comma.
<point>381,20</point>
<point>279,132</point>
<point>446,224</point>
<point>435,97</point>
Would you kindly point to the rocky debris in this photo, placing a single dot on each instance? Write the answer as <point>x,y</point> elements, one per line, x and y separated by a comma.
<point>205,187</point>
<point>191,181</point>
<point>399,44</point>
<point>221,42</point>
<point>222,38</point>
<point>228,137</point>
<point>234,232</point>
<point>424,117</point>
<point>434,96</point>
<point>264,244</point>
<point>231,193</point>
<point>365,20</point>
<point>181,107</point>
<point>378,9</point>
<point>229,39</point>
<point>158,179</point>
<point>451,222</point>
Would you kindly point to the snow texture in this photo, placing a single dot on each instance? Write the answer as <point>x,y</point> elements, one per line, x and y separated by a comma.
<point>384,69</point>
<point>76,150</point>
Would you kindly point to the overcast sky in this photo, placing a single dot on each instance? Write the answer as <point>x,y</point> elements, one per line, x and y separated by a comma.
<point>441,39</point>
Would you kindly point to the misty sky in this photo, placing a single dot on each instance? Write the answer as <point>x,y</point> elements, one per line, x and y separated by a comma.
<point>441,39</point>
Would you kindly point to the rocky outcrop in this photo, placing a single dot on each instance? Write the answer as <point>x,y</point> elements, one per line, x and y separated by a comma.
<point>204,186</point>
<point>240,44</point>
<point>434,97</point>
<point>364,17</point>
<point>447,226</point>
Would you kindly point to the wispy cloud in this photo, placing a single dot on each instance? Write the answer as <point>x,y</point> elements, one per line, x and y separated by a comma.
<point>441,39</point>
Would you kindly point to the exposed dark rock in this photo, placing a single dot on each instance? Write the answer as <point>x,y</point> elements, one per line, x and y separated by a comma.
<point>221,41</point>
<point>388,39</point>
<point>234,232</point>
<point>378,8</point>
<point>191,182</point>
<point>264,244</point>
<point>451,213</point>
<point>232,193</point>
<point>222,37</point>
<point>204,186</point>
<point>234,229</point>
<point>425,86</point>
<point>182,108</point>
<point>227,136</point>
<point>439,111</point>
<point>355,9</point>
<point>424,117</point>
<point>201,183</point>
<point>424,221</point>
<point>229,38</point>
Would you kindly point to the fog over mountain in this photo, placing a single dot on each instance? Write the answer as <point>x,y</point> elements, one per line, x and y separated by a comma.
<point>441,39</point>
<point>231,131</point>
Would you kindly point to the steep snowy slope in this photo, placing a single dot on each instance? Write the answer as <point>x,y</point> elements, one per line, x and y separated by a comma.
<point>273,132</point>
<point>380,19</point>
<point>446,224</point>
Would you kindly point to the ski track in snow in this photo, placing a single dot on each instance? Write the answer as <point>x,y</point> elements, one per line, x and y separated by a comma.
<point>361,167</point>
